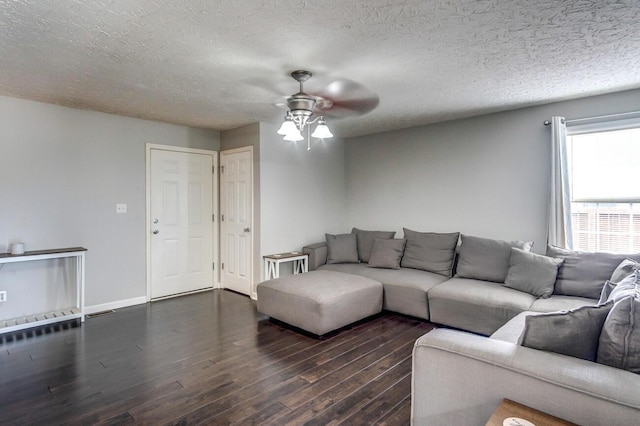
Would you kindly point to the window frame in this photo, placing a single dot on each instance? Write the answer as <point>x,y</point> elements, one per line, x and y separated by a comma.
<point>600,125</point>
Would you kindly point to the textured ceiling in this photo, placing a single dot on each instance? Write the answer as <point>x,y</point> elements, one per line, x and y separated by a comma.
<point>223,64</point>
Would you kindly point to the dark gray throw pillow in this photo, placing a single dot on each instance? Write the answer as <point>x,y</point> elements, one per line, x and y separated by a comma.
<point>620,336</point>
<point>623,270</point>
<point>365,241</point>
<point>532,273</point>
<point>386,253</point>
<point>574,333</point>
<point>486,259</point>
<point>583,274</point>
<point>430,251</point>
<point>342,248</point>
<point>615,292</point>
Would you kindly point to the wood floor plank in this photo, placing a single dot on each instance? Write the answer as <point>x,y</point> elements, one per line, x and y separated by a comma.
<point>208,358</point>
<point>398,415</point>
<point>381,404</point>
<point>339,411</point>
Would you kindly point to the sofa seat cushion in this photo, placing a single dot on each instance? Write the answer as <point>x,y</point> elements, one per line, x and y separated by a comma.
<point>474,305</point>
<point>405,289</point>
<point>320,301</point>
<point>561,303</point>
<point>512,330</point>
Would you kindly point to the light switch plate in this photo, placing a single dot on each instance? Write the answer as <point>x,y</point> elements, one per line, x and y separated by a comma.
<point>121,208</point>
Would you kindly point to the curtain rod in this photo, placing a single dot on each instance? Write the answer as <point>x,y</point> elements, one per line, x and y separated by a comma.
<point>616,116</point>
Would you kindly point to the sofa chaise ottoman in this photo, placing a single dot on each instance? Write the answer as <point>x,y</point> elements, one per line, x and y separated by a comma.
<point>320,301</point>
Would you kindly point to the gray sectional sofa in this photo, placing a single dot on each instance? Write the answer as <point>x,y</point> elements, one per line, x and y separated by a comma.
<point>470,296</point>
<point>460,375</point>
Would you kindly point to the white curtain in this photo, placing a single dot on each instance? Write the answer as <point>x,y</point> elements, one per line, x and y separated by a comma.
<point>560,232</point>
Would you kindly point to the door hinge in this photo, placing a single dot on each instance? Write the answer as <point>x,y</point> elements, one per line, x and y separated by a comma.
<point>222,218</point>
<point>221,169</point>
<point>214,266</point>
<point>213,169</point>
<point>213,218</point>
<point>223,266</point>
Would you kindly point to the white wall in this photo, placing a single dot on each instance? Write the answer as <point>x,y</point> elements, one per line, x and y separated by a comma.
<point>302,192</point>
<point>485,176</point>
<point>62,171</point>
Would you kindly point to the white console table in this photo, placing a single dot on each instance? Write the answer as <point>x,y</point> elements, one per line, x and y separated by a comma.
<point>66,314</point>
<point>272,263</point>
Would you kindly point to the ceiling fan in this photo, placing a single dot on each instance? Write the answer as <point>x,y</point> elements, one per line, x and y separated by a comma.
<point>341,98</point>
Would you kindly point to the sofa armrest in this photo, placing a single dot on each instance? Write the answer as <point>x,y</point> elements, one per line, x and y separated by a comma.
<point>460,378</point>
<point>317,254</point>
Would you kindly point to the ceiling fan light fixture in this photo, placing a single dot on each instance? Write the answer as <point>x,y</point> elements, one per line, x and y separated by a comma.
<point>322,130</point>
<point>294,136</point>
<point>288,126</point>
<point>299,115</point>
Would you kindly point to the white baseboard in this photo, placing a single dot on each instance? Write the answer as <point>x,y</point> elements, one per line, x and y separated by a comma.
<point>88,310</point>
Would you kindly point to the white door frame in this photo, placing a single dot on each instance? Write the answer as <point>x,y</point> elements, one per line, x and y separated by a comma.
<point>249,148</point>
<point>216,243</point>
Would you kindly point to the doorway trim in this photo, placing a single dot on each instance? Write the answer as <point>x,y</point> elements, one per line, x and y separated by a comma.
<point>215,227</point>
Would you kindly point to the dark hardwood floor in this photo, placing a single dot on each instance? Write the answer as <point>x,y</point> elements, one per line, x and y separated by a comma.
<point>209,358</point>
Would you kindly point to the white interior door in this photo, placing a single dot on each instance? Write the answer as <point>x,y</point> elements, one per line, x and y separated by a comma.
<point>181,211</point>
<point>236,209</point>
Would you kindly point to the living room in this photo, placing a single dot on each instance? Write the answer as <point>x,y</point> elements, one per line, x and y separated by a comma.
<point>487,174</point>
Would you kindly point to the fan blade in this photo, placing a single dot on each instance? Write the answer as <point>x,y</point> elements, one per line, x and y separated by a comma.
<point>348,98</point>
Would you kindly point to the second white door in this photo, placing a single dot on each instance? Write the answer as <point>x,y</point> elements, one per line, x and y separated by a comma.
<point>236,208</point>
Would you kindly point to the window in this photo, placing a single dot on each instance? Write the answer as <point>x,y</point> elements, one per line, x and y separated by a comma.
<point>604,164</point>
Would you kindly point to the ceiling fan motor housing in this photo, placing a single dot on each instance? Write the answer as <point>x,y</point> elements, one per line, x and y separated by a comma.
<point>301,104</point>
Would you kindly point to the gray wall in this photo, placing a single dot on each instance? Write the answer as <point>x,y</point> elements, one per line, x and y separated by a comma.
<point>62,171</point>
<point>298,194</point>
<point>486,176</point>
<point>303,192</point>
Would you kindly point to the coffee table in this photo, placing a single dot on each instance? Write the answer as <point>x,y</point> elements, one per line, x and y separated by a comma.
<point>511,413</point>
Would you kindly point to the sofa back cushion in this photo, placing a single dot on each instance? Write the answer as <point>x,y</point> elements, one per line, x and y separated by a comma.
<point>430,251</point>
<point>486,259</point>
<point>583,274</point>
<point>365,239</point>
<point>342,248</point>
<point>532,273</point>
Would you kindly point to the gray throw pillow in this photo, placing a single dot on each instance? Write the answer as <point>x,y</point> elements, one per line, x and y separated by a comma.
<point>583,274</point>
<point>486,259</point>
<point>430,251</point>
<point>574,333</point>
<point>386,253</point>
<point>620,336</point>
<point>342,248</point>
<point>615,292</point>
<point>623,270</point>
<point>532,273</point>
<point>365,241</point>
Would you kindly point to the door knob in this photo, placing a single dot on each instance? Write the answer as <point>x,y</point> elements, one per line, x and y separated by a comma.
<point>155,231</point>
<point>246,229</point>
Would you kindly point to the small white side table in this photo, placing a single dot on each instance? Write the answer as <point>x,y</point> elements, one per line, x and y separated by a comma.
<point>272,263</point>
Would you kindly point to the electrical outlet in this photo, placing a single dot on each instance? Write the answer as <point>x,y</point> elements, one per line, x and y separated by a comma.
<point>3,296</point>
<point>121,208</point>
